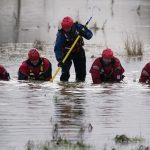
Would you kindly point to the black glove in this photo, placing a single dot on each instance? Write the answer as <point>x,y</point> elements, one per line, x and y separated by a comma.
<point>41,76</point>
<point>82,31</point>
<point>60,64</point>
<point>118,71</point>
<point>7,76</point>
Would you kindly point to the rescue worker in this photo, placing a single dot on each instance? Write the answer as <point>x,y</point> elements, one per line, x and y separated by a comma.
<point>65,39</point>
<point>4,75</point>
<point>145,74</point>
<point>35,67</point>
<point>107,68</point>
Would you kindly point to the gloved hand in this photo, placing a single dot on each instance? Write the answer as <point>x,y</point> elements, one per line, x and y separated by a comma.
<point>41,76</point>
<point>118,71</point>
<point>8,76</point>
<point>120,77</point>
<point>60,64</point>
<point>82,31</point>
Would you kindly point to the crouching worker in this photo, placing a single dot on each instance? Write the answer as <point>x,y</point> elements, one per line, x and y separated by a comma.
<point>145,74</point>
<point>35,67</point>
<point>4,75</point>
<point>107,68</point>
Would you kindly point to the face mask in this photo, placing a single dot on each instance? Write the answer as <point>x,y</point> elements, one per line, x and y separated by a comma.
<point>35,62</point>
<point>106,62</point>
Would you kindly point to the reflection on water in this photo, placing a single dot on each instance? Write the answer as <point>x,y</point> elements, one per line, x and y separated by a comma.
<point>69,109</point>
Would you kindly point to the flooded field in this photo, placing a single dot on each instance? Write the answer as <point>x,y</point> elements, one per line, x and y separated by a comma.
<point>93,114</point>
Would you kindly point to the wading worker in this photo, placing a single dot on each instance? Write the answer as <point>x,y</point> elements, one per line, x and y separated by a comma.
<point>145,74</point>
<point>65,39</point>
<point>35,67</point>
<point>4,75</point>
<point>106,68</point>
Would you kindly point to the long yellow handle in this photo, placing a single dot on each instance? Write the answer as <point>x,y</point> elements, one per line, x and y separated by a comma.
<point>68,53</point>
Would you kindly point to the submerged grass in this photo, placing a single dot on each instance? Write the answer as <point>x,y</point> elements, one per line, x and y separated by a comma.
<point>123,139</point>
<point>95,28</point>
<point>64,144</point>
<point>133,46</point>
<point>59,144</point>
<point>142,147</point>
<point>40,45</point>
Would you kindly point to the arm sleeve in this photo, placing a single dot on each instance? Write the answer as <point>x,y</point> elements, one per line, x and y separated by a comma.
<point>22,72</point>
<point>118,70</point>
<point>21,76</point>
<point>86,33</point>
<point>95,73</point>
<point>145,74</point>
<point>47,70</point>
<point>4,75</point>
<point>60,39</point>
<point>48,73</point>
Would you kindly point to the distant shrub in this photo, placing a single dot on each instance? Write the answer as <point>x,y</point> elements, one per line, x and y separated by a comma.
<point>133,46</point>
<point>40,45</point>
<point>123,139</point>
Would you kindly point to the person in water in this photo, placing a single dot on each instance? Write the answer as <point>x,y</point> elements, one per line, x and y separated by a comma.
<point>35,67</point>
<point>65,39</point>
<point>145,74</point>
<point>4,75</point>
<point>107,68</point>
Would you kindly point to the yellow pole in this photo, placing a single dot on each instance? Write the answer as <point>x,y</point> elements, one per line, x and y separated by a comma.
<point>68,53</point>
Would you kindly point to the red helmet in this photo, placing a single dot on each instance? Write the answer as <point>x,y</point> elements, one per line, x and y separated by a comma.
<point>67,23</point>
<point>33,54</point>
<point>107,53</point>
